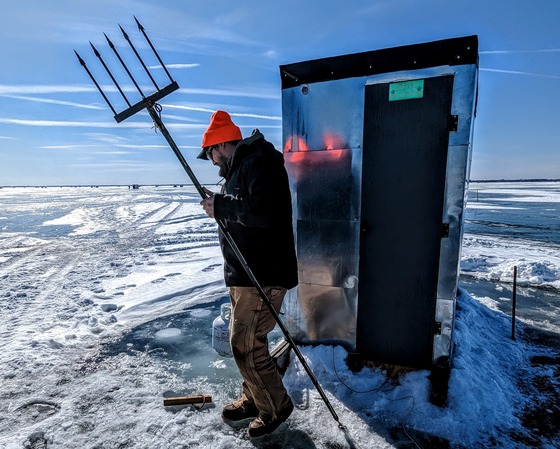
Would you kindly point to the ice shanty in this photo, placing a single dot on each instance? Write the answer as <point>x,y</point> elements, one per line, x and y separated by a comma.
<point>378,148</point>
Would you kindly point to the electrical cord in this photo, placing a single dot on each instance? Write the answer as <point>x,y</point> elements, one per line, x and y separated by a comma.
<point>373,390</point>
<point>380,390</point>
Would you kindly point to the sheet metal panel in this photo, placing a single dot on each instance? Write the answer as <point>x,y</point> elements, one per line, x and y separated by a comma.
<point>322,150</point>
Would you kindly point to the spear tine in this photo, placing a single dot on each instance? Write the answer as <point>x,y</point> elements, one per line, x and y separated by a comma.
<point>141,28</point>
<point>138,56</point>
<point>124,65</point>
<point>83,64</point>
<point>109,72</point>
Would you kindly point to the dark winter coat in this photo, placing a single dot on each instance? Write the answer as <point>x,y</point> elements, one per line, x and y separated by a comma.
<point>256,207</point>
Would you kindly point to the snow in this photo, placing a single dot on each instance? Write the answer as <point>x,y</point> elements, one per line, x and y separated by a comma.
<point>493,259</point>
<point>505,219</point>
<point>108,297</point>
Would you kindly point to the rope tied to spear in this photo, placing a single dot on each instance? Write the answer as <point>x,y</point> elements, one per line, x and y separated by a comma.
<point>157,108</point>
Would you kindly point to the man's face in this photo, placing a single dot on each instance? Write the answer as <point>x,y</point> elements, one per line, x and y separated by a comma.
<point>218,157</point>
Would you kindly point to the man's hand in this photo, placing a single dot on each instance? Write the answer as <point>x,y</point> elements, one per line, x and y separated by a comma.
<point>208,203</point>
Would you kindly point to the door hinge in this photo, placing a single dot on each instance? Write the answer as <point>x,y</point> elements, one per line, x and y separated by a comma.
<point>437,328</point>
<point>444,230</point>
<point>453,122</point>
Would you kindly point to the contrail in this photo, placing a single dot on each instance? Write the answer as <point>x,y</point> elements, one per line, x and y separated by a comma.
<point>503,52</point>
<point>266,94</point>
<point>34,89</point>
<point>62,123</point>
<point>51,101</point>
<point>234,114</point>
<point>516,72</point>
<point>42,89</point>
<point>175,66</point>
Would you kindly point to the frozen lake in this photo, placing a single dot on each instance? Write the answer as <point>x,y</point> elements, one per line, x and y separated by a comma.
<point>108,295</point>
<point>514,224</point>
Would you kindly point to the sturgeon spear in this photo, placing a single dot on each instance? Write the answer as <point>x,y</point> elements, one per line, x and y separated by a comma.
<point>150,104</point>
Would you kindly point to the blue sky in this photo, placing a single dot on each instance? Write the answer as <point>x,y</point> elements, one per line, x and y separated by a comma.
<point>55,128</point>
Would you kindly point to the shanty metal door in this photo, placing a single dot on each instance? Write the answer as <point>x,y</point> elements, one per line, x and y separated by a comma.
<point>405,145</point>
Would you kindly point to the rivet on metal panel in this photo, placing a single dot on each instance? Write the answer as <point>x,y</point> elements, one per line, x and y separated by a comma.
<point>289,75</point>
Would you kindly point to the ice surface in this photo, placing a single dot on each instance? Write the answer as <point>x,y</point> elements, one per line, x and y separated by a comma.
<point>169,335</point>
<point>108,297</point>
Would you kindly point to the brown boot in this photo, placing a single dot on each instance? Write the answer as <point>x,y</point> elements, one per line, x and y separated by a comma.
<point>263,425</point>
<point>239,410</point>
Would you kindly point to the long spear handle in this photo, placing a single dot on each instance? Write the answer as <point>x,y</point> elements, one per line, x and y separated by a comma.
<point>159,123</point>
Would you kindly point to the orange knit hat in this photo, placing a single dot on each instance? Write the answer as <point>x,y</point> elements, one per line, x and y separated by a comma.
<point>221,129</point>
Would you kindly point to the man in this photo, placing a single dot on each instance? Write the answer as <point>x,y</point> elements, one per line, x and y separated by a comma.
<point>256,208</point>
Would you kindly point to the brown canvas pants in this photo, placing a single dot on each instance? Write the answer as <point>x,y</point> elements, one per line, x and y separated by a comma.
<point>251,321</point>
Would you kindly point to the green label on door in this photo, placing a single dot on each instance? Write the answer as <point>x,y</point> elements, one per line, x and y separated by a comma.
<point>406,90</point>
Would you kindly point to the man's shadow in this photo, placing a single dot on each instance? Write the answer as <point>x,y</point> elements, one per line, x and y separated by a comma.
<point>285,437</point>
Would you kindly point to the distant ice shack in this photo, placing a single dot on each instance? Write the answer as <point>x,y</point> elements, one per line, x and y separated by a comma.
<point>378,149</point>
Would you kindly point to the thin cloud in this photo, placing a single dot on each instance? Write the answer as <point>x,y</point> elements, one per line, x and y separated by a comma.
<point>270,54</point>
<point>110,153</point>
<point>178,117</point>
<point>104,152</point>
<point>187,108</point>
<point>61,123</point>
<point>254,93</point>
<point>106,138</point>
<point>118,165</point>
<point>233,114</point>
<point>122,166</point>
<point>265,117</point>
<point>66,147</point>
<point>175,66</point>
<point>34,89</point>
<point>506,52</point>
<point>516,72</point>
<point>140,147</point>
<point>42,89</point>
<point>7,138</point>
<point>51,101</point>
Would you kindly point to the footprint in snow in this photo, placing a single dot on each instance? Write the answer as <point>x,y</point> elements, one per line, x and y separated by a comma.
<point>108,307</point>
<point>210,267</point>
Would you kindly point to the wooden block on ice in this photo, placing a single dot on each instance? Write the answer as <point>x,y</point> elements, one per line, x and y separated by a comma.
<point>186,400</point>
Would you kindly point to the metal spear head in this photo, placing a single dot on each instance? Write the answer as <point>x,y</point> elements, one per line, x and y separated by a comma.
<point>146,101</point>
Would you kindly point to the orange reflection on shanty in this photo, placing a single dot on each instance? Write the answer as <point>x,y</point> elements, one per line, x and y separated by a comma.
<point>297,148</point>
